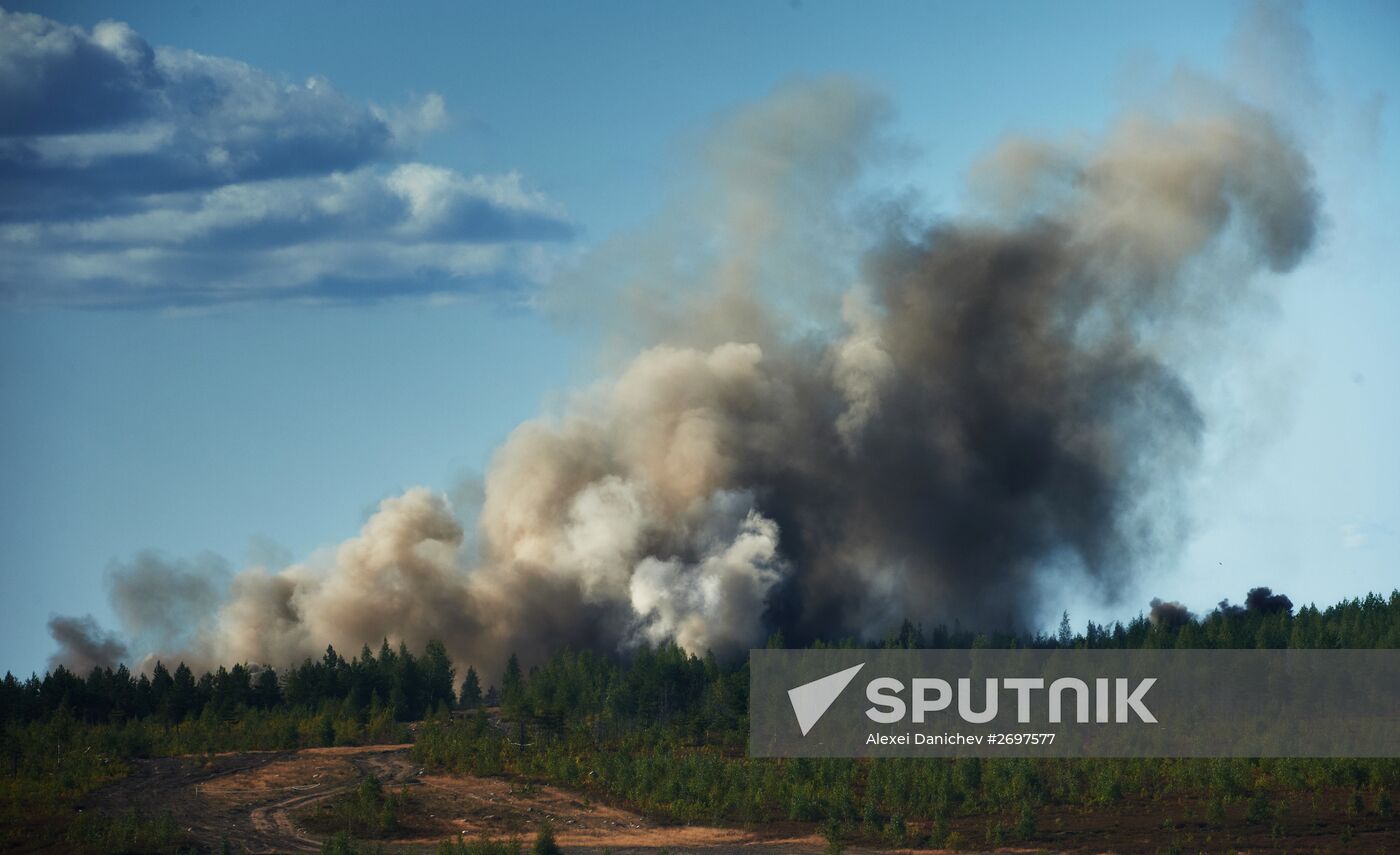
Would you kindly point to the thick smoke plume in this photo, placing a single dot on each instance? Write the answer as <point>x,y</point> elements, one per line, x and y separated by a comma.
<point>1169,614</point>
<point>1265,601</point>
<point>83,645</point>
<point>1262,600</point>
<point>996,404</point>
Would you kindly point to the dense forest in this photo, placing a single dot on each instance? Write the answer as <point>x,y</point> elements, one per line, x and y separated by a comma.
<point>396,682</point>
<point>664,731</point>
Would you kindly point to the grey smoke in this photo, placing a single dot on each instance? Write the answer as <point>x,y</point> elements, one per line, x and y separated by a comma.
<point>83,645</point>
<point>1169,614</point>
<point>156,597</point>
<point>994,402</point>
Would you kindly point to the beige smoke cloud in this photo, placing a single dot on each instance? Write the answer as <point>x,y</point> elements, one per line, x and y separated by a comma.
<point>991,399</point>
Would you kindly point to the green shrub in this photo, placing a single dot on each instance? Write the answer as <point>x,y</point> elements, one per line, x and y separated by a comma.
<point>98,833</point>
<point>1215,810</point>
<point>481,846</point>
<point>367,811</point>
<point>1025,826</point>
<point>544,843</point>
<point>1258,810</point>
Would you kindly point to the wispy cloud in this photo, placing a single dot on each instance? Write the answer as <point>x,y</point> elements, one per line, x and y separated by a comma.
<point>133,175</point>
<point>1363,534</point>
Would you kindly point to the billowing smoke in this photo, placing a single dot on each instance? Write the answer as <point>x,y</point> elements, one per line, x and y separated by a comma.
<point>995,404</point>
<point>1262,600</point>
<point>154,596</point>
<point>83,645</point>
<point>1169,614</point>
<point>1265,601</point>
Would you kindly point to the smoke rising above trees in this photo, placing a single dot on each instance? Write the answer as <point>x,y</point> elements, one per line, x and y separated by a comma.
<point>834,416</point>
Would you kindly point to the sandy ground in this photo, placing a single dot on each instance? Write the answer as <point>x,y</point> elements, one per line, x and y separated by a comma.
<point>252,800</point>
<point>248,798</point>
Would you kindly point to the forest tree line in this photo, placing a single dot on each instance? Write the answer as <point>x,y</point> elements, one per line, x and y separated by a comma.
<point>650,683</point>
<point>664,731</point>
<point>406,686</point>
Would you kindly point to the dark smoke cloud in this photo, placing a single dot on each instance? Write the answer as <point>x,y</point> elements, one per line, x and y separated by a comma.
<point>1265,601</point>
<point>1262,600</point>
<point>1169,614</point>
<point>83,645</point>
<point>1022,415</point>
<point>999,402</point>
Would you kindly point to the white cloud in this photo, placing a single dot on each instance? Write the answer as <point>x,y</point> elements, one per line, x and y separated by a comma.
<point>140,175</point>
<point>1361,534</point>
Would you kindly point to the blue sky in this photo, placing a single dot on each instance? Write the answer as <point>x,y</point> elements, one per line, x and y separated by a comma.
<point>248,395</point>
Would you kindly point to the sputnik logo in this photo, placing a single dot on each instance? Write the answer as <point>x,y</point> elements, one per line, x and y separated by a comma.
<point>810,701</point>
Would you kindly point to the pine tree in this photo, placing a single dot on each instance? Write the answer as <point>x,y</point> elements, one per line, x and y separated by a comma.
<point>471,690</point>
<point>267,693</point>
<point>512,683</point>
<point>438,674</point>
<point>184,695</point>
<point>1066,634</point>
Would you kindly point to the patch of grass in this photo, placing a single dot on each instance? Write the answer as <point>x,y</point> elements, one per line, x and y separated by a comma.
<point>482,846</point>
<point>343,844</point>
<point>367,811</point>
<point>98,833</point>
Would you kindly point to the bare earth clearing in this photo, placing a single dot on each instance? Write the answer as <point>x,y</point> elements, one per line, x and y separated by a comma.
<point>251,800</point>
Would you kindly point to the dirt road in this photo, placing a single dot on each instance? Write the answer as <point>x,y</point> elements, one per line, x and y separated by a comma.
<point>252,800</point>
<point>248,798</point>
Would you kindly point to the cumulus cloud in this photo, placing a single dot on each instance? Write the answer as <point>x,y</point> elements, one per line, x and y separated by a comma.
<point>56,79</point>
<point>133,174</point>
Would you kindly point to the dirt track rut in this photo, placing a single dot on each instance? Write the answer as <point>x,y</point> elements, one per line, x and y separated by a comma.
<point>252,800</point>
<point>248,799</point>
